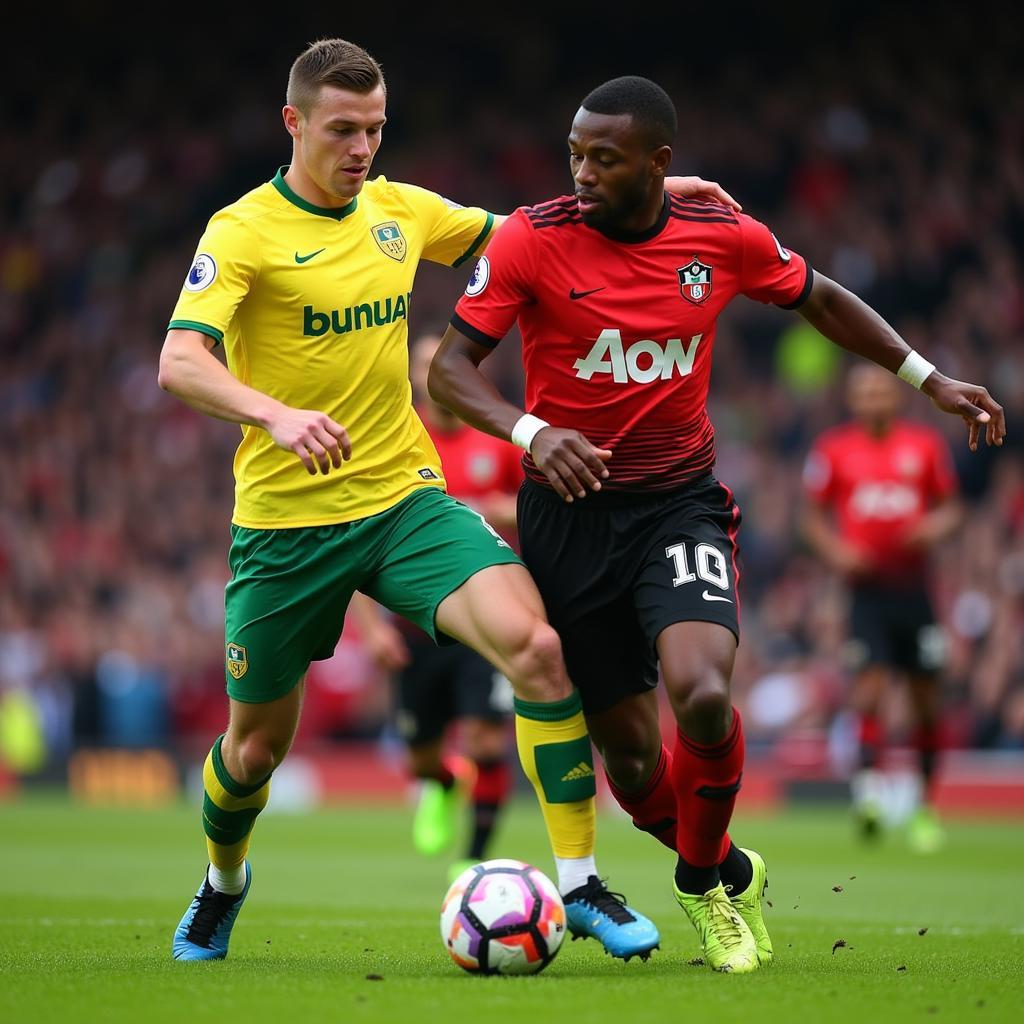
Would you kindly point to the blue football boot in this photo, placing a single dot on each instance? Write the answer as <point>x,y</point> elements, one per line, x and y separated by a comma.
<point>594,912</point>
<point>206,927</point>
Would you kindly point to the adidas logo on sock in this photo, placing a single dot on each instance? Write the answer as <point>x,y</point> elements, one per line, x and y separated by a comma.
<point>581,771</point>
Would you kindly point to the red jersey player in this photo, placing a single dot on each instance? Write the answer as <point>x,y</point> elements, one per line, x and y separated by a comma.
<point>630,538</point>
<point>442,685</point>
<point>882,494</point>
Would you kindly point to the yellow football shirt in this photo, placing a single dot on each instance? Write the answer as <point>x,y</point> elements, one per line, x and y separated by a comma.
<point>312,306</point>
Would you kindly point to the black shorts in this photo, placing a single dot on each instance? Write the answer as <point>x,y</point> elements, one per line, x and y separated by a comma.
<point>895,627</point>
<point>615,569</point>
<point>443,684</point>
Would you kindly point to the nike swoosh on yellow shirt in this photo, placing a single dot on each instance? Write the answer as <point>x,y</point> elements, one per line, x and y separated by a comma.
<point>306,259</point>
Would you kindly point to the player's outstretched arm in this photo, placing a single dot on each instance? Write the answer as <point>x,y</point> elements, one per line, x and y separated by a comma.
<point>190,371</point>
<point>848,321</point>
<point>570,462</point>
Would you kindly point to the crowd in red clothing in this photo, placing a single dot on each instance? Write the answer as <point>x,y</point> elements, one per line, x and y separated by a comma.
<point>900,173</point>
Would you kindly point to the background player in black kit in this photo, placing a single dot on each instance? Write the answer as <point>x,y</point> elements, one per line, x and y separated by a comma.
<point>617,290</point>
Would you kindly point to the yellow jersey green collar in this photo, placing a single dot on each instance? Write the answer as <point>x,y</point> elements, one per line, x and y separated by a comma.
<point>296,200</point>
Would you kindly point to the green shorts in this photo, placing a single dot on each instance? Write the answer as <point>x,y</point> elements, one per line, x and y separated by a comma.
<point>289,590</point>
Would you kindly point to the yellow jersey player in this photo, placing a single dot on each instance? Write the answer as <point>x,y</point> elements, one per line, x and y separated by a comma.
<point>306,281</point>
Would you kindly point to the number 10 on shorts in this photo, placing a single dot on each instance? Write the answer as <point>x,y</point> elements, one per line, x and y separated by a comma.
<point>709,562</point>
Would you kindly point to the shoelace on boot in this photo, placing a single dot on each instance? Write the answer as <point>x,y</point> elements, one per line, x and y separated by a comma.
<point>214,906</point>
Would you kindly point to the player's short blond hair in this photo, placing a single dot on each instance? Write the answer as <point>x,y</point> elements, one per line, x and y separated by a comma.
<point>334,62</point>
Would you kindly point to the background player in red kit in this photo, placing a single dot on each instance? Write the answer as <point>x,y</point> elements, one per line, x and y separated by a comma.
<point>441,686</point>
<point>630,538</point>
<point>882,495</point>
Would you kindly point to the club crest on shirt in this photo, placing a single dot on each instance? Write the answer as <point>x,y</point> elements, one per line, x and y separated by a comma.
<point>237,658</point>
<point>390,239</point>
<point>695,281</point>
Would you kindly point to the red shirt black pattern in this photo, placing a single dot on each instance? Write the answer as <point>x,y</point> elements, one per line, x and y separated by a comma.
<point>618,330</point>
<point>879,488</point>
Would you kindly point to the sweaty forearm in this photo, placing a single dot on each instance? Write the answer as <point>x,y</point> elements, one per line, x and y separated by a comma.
<point>852,324</point>
<point>456,382</point>
<point>198,378</point>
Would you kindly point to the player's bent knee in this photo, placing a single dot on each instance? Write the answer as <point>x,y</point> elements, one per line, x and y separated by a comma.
<point>255,757</point>
<point>630,770</point>
<point>537,669</point>
<point>703,705</point>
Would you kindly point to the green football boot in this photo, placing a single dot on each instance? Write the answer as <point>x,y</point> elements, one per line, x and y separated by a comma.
<point>437,817</point>
<point>748,906</point>
<point>726,940</point>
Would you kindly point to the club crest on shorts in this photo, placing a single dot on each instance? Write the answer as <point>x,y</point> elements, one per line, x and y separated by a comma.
<point>390,239</point>
<point>695,281</point>
<point>237,660</point>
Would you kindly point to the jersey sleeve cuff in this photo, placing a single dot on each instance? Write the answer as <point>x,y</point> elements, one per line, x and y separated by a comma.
<point>473,333</point>
<point>477,242</point>
<point>194,325</point>
<point>804,292</point>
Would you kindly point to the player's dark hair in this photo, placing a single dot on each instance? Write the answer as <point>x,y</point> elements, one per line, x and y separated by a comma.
<point>334,62</point>
<point>645,101</point>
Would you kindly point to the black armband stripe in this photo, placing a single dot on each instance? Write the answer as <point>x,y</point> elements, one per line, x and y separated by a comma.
<point>473,333</point>
<point>804,292</point>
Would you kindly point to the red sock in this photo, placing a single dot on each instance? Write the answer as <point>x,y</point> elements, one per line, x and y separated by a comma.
<point>871,737</point>
<point>492,782</point>
<point>653,809</point>
<point>706,780</point>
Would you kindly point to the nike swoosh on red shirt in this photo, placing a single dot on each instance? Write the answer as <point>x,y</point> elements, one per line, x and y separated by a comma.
<point>573,294</point>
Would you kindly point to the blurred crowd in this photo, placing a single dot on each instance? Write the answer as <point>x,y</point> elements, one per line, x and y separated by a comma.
<point>896,167</point>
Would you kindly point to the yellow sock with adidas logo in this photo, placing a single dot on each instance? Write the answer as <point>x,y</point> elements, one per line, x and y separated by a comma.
<point>554,750</point>
<point>229,811</point>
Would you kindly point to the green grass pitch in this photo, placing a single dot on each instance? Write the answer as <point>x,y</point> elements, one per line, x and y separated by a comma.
<point>89,899</point>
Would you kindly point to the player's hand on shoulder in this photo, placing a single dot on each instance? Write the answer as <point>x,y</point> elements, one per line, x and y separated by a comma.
<point>972,403</point>
<point>313,436</point>
<point>692,186</point>
<point>571,463</point>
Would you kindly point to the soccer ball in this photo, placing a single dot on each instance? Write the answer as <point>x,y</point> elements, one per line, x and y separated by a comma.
<point>502,917</point>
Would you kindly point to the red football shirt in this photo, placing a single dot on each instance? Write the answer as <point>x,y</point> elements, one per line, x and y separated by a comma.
<point>618,329</point>
<point>476,465</point>
<point>879,488</point>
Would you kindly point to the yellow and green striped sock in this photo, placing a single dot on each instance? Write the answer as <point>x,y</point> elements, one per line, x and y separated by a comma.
<point>554,750</point>
<point>229,811</point>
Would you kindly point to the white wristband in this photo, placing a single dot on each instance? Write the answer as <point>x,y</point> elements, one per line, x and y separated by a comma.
<point>526,429</point>
<point>915,369</point>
